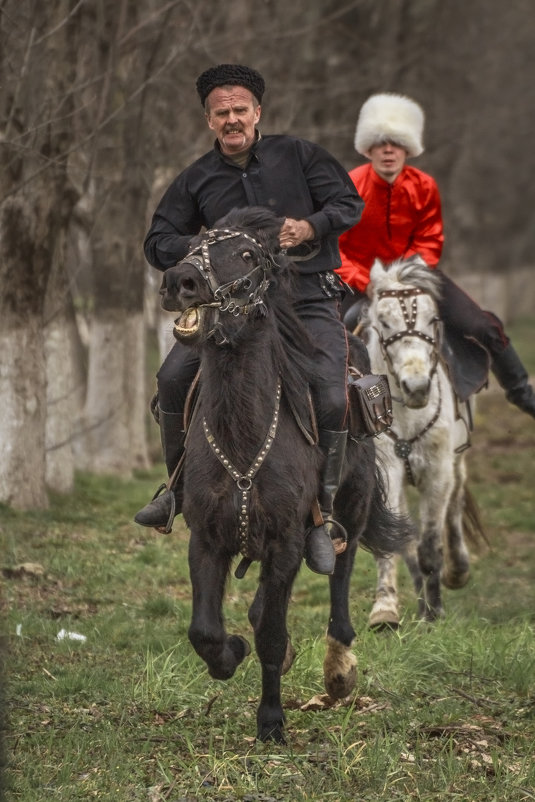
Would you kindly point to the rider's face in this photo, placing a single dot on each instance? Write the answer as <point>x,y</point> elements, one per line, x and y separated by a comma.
<point>388,160</point>
<point>233,114</point>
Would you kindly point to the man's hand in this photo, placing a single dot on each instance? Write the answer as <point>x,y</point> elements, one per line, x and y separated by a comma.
<point>294,232</point>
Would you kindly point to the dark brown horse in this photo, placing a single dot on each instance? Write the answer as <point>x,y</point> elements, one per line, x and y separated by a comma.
<point>251,472</point>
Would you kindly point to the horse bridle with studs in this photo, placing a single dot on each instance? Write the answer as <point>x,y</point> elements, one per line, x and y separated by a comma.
<point>410,329</point>
<point>402,447</point>
<point>237,297</point>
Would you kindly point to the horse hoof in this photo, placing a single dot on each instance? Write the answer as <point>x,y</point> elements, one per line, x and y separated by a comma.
<point>435,614</point>
<point>384,617</point>
<point>339,669</point>
<point>271,732</point>
<point>240,647</point>
<point>384,626</point>
<point>454,581</point>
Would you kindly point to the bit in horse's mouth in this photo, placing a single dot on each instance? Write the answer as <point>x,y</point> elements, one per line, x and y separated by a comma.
<point>188,323</point>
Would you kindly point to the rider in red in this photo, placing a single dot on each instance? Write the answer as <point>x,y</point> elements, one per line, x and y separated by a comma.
<point>402,217</point>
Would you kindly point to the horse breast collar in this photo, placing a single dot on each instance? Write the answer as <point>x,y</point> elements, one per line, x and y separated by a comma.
<point>244,481</point>
<point>403,448</point>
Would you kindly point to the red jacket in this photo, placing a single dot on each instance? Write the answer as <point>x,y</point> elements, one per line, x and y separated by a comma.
<point>399,220</point>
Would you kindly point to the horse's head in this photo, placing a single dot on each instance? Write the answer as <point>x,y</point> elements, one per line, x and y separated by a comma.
<point>404,315</point>
<point>225,277</point>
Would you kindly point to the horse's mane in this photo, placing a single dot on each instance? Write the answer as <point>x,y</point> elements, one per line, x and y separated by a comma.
<point>293,350</point>
<point>413,271</point>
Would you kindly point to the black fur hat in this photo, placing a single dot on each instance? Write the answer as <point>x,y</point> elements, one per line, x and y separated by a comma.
<point>230,75</point>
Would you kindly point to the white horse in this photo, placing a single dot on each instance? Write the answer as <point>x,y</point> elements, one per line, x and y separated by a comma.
<point>426,443</point>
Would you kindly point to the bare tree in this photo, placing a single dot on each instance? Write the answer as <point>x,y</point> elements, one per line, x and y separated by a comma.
<point>38,51</point>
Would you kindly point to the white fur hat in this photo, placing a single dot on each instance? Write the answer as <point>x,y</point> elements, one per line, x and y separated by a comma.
<point>390,118</point>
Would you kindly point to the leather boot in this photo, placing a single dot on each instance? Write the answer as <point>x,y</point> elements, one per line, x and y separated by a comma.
<point>319,551</point>
<point>159,512</point>
<point>513,377</point>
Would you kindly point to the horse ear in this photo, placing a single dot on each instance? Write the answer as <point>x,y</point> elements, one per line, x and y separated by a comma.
<point>377,270</point>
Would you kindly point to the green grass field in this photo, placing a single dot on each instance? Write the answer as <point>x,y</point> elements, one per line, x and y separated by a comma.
<point>442,712</point>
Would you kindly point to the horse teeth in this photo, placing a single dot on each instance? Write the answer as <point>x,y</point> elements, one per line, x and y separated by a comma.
<point>188,322</point>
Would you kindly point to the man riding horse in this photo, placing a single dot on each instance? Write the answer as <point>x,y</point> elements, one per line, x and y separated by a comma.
<point>402,217</point>
<point>301,182</point>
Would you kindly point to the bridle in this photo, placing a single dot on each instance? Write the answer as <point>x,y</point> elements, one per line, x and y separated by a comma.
<point>239,296</point>
<point>410,330</point>
<point>403,448</point>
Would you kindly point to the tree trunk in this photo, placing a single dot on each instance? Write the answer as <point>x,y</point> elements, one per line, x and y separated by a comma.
<point>37,49</point>
<point>65,380</point>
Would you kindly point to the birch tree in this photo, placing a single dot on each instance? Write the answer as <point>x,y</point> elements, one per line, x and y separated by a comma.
<point>38,51</point>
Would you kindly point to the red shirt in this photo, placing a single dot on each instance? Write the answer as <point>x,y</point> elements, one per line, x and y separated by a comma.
<point>399,220</point>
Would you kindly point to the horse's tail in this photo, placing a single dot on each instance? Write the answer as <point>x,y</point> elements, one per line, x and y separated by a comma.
<point>473,528</point>
<point>386,532</point>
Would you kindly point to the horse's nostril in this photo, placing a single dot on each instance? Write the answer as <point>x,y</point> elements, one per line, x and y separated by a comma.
<point>187,285</point>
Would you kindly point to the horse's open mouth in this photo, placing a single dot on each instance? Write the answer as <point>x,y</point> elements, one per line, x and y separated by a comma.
<point>188,323</point>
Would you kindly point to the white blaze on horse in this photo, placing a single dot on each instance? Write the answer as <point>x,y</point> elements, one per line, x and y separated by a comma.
<point>425,447</point>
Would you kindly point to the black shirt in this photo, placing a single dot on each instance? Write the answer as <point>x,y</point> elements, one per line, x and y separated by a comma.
<point>292,177</point>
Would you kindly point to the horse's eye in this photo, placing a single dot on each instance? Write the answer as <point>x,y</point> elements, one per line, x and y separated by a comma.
<point>247,256</point>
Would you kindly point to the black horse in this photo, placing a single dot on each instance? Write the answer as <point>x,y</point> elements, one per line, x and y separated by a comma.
<point>251,472</point>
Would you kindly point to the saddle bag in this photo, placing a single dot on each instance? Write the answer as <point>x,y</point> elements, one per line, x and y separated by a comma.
<point>370,404</point>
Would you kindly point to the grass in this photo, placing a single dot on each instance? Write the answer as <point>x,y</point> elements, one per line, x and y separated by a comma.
<point>442,712</point>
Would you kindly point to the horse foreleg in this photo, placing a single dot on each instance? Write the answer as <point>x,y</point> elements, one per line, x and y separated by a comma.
<point>222,653</point>
<point>430,560</point>
<point>456,572</point>
<point>255,611</point>
<point>385,610</point>
<point>271,641</point>
<point>340,664</point>
<point>410,555</point>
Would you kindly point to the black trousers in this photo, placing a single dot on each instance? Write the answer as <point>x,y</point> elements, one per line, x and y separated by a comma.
<point>461,314</point>
<point>317,303</point>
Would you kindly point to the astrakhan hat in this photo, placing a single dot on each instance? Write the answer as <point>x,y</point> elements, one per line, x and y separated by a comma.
<point>230,75</point>
<point>389,117</point>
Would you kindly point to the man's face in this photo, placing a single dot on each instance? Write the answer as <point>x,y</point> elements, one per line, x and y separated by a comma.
<point>388,160</point>
<point>232,115</point>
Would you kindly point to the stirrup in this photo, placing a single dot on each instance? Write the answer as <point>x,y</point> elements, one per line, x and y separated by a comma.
<point>165,530</point>
<point>340,540</point>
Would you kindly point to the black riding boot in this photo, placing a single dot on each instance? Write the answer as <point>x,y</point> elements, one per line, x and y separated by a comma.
<point>513,377</point>
<point>159,511</point>
<point>319,551</point>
